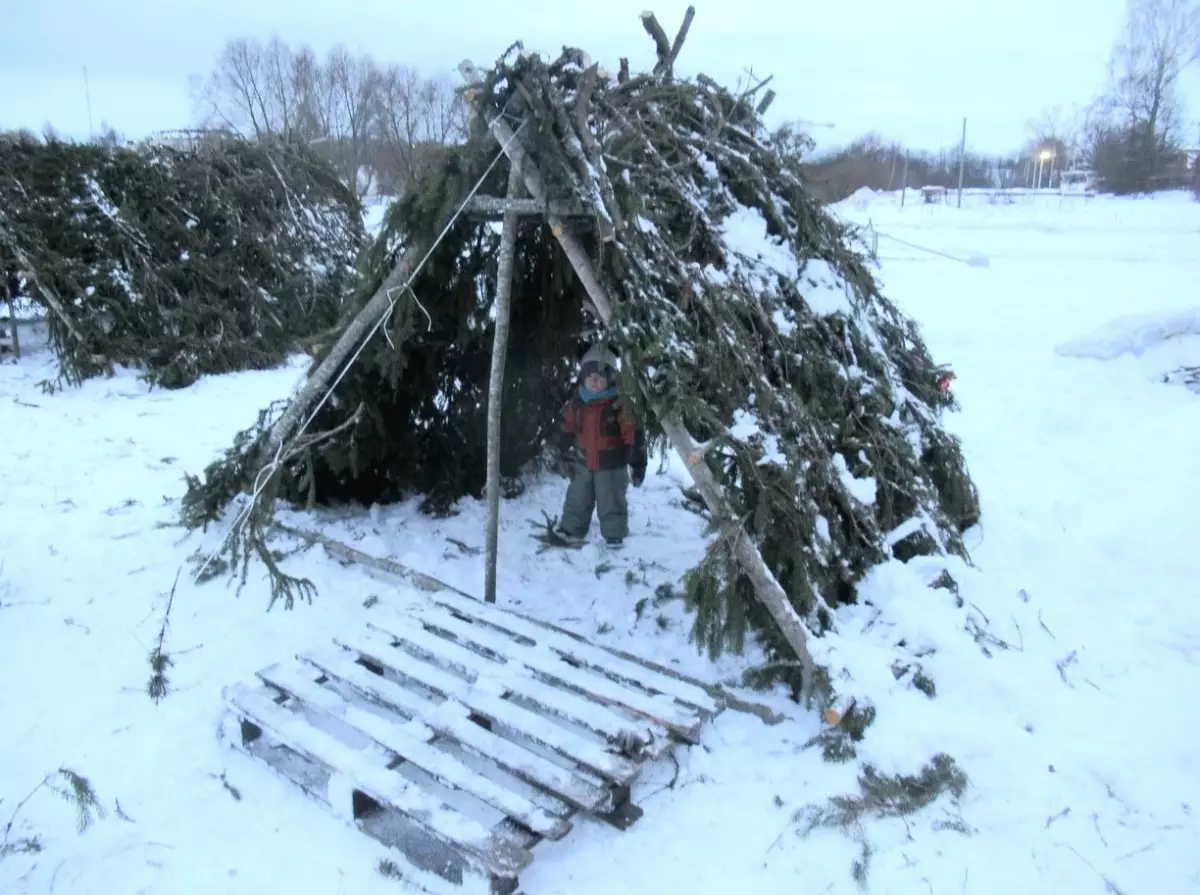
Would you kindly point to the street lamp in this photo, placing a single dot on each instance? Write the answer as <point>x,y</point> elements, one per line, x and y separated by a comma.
<point>1046,155</point>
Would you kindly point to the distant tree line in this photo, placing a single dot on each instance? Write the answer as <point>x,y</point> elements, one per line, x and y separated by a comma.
<point>872,162</point>
<point>1133,138</point>
<point>376,123</point>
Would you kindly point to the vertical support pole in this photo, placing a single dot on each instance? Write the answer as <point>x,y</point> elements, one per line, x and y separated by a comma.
<point>962,161</point>
<point>904,185</point>
<point>12,325</point>
<point>504,278</point>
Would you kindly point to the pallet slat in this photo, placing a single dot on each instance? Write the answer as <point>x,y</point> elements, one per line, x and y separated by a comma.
<point>494,855</point>
<point>518,679</point>
<point>582,652</point>
<point>538,729</point>
<point>518,761</point>
<point>661,711</point>
<point>447,769</point>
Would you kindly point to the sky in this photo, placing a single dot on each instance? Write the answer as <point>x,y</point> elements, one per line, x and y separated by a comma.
<point>909,70</point>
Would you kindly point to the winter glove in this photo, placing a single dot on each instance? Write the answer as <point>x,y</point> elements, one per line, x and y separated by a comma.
<point>638,475</point>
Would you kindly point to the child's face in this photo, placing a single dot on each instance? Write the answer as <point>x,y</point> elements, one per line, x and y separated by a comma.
<point>595,382</point>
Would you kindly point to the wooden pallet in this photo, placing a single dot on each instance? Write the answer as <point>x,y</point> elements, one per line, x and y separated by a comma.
<point>462,734</point>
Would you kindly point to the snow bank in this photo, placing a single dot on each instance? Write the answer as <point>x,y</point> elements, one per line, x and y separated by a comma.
<point>861,199</point>
<point>1132,335</point>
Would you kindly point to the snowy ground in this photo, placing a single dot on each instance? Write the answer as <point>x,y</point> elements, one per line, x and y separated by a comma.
<point>1078,730</point>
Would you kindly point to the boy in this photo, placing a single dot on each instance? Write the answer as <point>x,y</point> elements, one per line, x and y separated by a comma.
<point>603,439</point>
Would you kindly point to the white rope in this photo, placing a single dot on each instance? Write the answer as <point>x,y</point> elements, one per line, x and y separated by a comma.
<point>264,474</point>
<point>972,261</point>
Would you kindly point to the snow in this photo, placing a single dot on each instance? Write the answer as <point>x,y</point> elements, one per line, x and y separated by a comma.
<point>745,232</point>
<point>747,428</point>
<point>375,209</point>
<point>1065,669</point>
<point>1133,334</point>
<point>824,291</point>
<point>861,489</point>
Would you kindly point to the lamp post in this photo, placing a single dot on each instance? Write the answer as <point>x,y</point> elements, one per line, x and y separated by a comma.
<point>1046,155</point>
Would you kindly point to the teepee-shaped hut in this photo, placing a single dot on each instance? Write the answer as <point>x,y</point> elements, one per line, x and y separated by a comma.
<point>660,213</point>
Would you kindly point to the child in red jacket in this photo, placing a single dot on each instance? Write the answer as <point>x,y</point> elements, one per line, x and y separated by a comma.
<point>605,439</point>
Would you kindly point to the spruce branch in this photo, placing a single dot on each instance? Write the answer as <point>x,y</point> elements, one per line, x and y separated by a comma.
<point>158,685</point>
<point>71,787</point>
<point>898,796</point>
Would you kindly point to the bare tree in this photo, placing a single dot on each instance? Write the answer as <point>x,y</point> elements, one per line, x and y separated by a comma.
<point>1058,130</point>
<point>415,115</point>
<point>251,90</point>
<point>354,105</point>
<point>372,123</point>
<point>313,95</point>
<point>1160,39</point>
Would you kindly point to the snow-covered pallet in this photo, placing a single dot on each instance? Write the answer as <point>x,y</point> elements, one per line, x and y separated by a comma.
<point>462,734</point>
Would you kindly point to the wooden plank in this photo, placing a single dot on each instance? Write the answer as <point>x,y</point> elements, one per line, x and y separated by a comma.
<point>491,854</point>
<point>559,791</point>
<point>660,710</point>
<point>518,679</point>
<point>705,698</point>
<point>445,768</point>
<point>538,729</point>
<point>450,720</point>
<point>572,647</point>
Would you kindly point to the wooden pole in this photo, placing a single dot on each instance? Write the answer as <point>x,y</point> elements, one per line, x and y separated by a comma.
<point>962,161</point>
<point>904,185</point>
<point>352,336</point>
<point>504,278</point>
<point>767,588</point>
<point>495,206</point>
<point>12,327</point>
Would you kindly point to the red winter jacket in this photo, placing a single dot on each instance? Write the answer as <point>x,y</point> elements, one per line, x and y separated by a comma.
<point>607,436</point>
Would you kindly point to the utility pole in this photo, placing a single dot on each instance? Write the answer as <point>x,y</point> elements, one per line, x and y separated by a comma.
<point>904,185</point>
<point>962,161</point>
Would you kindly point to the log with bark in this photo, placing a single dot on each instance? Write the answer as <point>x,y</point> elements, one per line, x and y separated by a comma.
<point>320,381</point>
<point>504,278</point>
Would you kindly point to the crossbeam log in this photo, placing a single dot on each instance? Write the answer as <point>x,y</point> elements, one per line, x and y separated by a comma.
<point>497,206</point>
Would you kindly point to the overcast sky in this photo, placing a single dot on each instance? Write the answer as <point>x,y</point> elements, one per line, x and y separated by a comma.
<point>909,69</point>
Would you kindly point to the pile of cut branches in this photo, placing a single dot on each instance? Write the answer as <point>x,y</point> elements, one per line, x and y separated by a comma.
<point>178,263</point>
<point>747,310</point>
<point>741,308</point>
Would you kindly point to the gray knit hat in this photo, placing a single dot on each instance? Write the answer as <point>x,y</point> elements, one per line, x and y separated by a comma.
<point>598,359</point>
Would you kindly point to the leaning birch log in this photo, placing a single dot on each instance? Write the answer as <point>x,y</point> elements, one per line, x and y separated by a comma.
<point>504,278</point>
<point>352,336</point>
<point>767,588</point>
<point>417,579</point>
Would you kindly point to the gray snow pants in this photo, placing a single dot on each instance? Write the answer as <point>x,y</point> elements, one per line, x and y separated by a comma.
<point>603,491</point>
